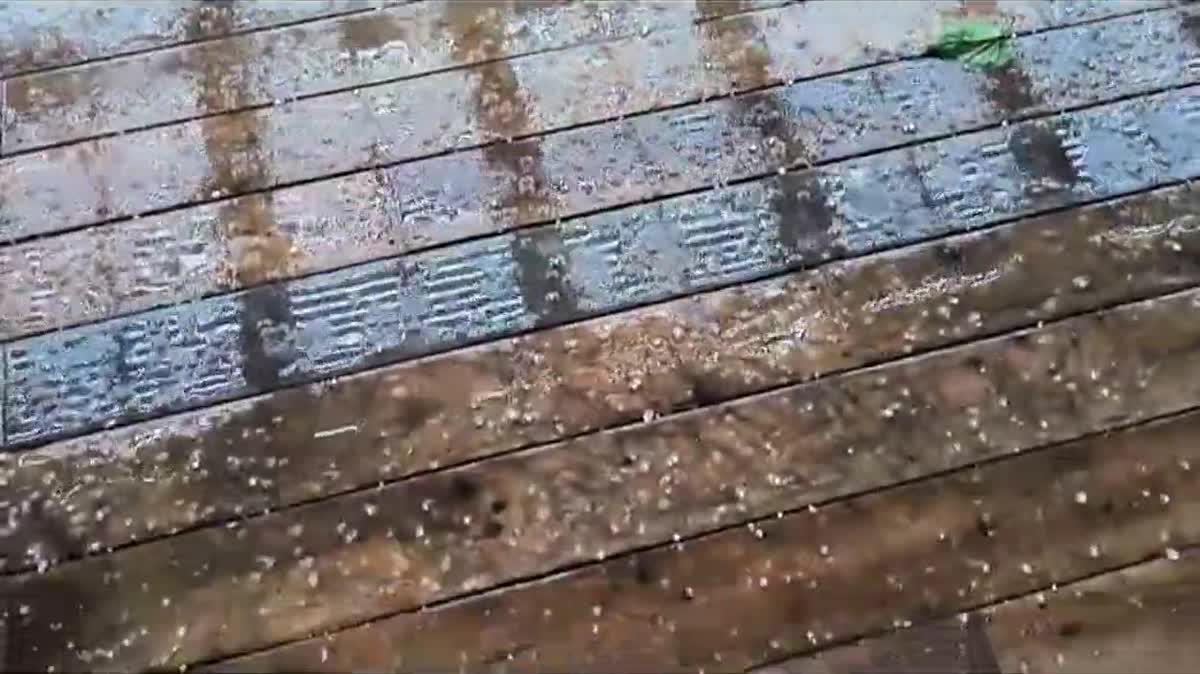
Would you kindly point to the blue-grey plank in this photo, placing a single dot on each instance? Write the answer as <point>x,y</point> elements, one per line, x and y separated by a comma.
<point>50,191</point>
<point>332,323</point>
<point>197,252</point>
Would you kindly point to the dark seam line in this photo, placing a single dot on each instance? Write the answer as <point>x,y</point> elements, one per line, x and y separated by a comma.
<point>877,363</point>
<point>1031,116</point>
<point>214,38</point>
<point>366,168</point>
<point>3,393</point>
<point>3,111</point>
<point>1060,586</point>
<point>530,579</point>
<point>369,84</point>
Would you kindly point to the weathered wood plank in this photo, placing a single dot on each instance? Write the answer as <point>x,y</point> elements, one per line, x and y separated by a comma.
<point>299,444</point>
<point>731,600</point>
<point>37,35</point>
<point>1139,619</point>
<point>191,253</point>
<point>253,341</point>
<point>220,591</point>
<point>267,67</point>
<point>136,173</point>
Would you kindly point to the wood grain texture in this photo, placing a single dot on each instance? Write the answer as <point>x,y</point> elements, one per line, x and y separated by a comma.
<point>452,533</point>
<point>309,59</point>
<point>732,600</point>
<point>214,248</point>
<point>1139,619</point>
<point>40,35</point>
<point>301,443</point>
<point>289,333</point>
<point>95,181</point>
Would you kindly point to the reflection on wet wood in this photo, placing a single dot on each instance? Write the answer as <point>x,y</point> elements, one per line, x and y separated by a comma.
<point>39,35</point>
<point>395,548</point>
<point>157,477</point>
<point>1140,619</point>
<point>181,255</point>
<point>737,598</point>
<point>309,59</point>
<point>142,172</point>
<point>370,315</point>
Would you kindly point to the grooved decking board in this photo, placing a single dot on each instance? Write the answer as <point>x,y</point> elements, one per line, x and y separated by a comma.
<point>36,35</point>
<point>136,173</point>
<point>734,599</point>
<point>1139,619</point>
<point>191,253</point>
<point>226,590</point>
<point>297,444</point>
<point>253,341</point>
<point>265,67</point>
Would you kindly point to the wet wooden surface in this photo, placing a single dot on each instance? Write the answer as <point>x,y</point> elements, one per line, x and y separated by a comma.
<point>1140,618</point>
<point>542,336</point>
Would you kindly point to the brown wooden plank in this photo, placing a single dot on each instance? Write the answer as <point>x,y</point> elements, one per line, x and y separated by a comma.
<point>274,66</point>
<point>137,173</point>
<point>731,600</point>
<point>1139,619</point>
<point>219,591</point>
<point>195,252</point>
<point>302,443</point>
<point>38,35</point>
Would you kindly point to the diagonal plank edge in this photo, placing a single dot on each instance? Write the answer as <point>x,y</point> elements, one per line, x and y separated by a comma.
<point>1138,618</point>
<point>222,591</point>
<point>143,172</point>
<point>317,227</point>
<point>316,58</point>
<point>734,599</point>
<point>336,323</point>
<point>307,443</point>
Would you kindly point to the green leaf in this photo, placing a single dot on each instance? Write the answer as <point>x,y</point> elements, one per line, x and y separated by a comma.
<point>976,44</point>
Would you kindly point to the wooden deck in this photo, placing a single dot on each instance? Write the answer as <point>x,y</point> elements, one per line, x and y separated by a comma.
<point>668,336</point>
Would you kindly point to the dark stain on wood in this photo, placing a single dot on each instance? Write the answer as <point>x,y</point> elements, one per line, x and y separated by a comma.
<point>1190,22</point>
<point>503,112</point>
<point>266,323</point>
<point>541,259</point>
<point>257,250</point>
<point>737,46</point>
<point>371,31</point>
<point>1011,91</point>
<point>1040,155</point>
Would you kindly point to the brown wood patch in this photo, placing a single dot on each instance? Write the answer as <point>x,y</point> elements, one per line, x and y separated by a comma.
<point>732,600</point>
<point>1140,619</point>
<point>297,444</point>
<point>452,533</point>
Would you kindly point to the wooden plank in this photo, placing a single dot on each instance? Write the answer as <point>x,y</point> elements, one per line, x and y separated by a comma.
<point>39,35</point>
<point>298,444</point>
<point>268,67</point>
<point>1139,619</point>
<point>729,601</point>
<point>220,591</point>
<point>138,173</point>
<point>237,345</point>
<point>191,253</point>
